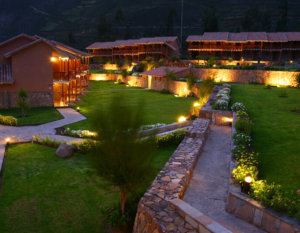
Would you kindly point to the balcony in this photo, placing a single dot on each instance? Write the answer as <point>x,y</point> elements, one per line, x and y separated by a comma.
<point>6,74</point>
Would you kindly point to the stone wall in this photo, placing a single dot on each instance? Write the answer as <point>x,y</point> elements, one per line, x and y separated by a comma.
<point>36,99</point>
<point>155,212</point>
<point>282,78</point>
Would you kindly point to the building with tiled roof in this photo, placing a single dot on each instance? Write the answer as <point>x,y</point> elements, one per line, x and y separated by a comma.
<point>260,46</point>
<point>51,72</point>
<point>136,49</point>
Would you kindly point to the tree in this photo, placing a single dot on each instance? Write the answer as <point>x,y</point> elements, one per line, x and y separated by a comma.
<point>124,74</point>
<point>170,22</point>
<point>120,156</point>
<point>22,103</point>
<point>281,24</point>
<point>119,17</point>
<point>191,81</point>
<point>104,29</point>
<point>210,21</point>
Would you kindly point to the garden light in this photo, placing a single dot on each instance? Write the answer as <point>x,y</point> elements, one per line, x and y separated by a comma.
<point>78,109</point>
<point>181,119</point>
<point>196,104</point>
<point>176,96</point>
<point>7,140</point>
<point>248,178</point>
<point>228,119</point>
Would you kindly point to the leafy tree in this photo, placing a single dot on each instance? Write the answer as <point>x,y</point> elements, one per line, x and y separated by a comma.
<point>170,22</point>
<point>210,21</point>
<point>283,13</point>
<point>120,156</point>
<point>22,103</point>
<point>191,81</point>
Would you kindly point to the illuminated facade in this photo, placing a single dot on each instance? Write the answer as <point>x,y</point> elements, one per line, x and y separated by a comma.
<point>136,50</point>
<point>251,46</point>
<point>52,73</point>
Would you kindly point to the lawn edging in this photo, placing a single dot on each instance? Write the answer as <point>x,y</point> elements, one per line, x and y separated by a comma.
<point>160,209</point>
<point>243,206</point>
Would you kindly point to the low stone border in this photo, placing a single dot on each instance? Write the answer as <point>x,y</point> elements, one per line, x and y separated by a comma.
<point>197,219</point>
<point>159,208</point>
<point>250,210</point>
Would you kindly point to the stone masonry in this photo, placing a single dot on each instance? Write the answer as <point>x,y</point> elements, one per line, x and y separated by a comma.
<point>155,212</point>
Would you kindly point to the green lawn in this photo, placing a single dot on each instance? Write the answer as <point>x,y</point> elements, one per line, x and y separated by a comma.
<point>158,107</point>
<point>276,131</point>
<point>34,116</point>
<point>43,193</point>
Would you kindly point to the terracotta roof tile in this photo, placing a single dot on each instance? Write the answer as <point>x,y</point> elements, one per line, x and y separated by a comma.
<point>247,36</point>
<point>120,43</point>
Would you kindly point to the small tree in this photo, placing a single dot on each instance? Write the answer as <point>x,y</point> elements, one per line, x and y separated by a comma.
<point>124,74</point>
<point>191,81</point>
<point>298,80</point>
<point>205,89</point>
<point>120,156</point>
<point>22,103</point>
<point>170,76</point>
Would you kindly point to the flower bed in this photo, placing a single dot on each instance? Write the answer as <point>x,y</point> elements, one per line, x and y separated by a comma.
<point>223,98</point>
<point>246,164</point>
<point>8,120</point>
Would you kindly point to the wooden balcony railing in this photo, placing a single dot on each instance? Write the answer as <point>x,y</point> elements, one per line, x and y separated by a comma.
<point>6,74</point>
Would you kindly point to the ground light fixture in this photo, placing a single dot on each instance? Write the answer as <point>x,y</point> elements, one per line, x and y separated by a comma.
<point>196,104</point>
<point>7,140</point>
<point>181,119</point>
<point>78,109</point>
<point>246,183</point>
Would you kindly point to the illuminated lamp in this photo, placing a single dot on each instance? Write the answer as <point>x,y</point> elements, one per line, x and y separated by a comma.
<point>53,59</point>
<point>7,140</point>
<point>248,178</point>
<point>196,104</point>
<point>246,183</point>
<point>181,119</point>
<point>78,109</point>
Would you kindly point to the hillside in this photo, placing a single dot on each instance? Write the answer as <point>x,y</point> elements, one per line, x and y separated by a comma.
<point>76,21</point>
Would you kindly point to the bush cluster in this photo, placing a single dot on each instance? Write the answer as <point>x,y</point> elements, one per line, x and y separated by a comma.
<point>171,139</point>
<point>223,98</point>
<point>8,120</point>
<point>270,195</point>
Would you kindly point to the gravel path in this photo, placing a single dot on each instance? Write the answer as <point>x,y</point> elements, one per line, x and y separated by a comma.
<point>209,183</point>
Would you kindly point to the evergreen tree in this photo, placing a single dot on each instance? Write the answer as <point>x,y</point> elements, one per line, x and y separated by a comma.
<point>283,13</point>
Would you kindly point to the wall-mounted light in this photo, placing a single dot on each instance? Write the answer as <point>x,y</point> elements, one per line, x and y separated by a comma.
<point>196,104</point>
<point>53,59</point>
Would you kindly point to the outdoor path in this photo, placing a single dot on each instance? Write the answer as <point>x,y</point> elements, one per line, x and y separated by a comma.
<point>208,187</point>
<point>25,133</point>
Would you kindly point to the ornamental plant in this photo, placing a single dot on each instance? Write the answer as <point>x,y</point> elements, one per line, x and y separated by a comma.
<point>298,80</point>
<point>120,156</point>
<point>8,120</point>
<point>238,106</point>
<point>242,115</point>
<point>242,139</point>
<point>191,81</point>
<point>244,126</point>
<point>22,101</point>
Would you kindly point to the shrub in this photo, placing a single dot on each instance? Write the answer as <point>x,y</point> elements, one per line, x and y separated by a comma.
<point>47,141</point>
<point>244,126</point>
<point>246,164</point>
<point>238,151</point>
<point>298,80</point>
<point>8,120</point>
<point>242,115</point>
<point>221,104</point>
<point>165,91</point>
<point>22,103</point>
<point>171,139</point>
<point>205,89</point>
<point>191,81</point>
<point>238,106</point>
<point>242,139</point>
<point>283,93</point>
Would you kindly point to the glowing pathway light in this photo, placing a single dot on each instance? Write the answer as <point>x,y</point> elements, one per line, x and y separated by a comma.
<point>196,104</point>
<point>182,119</point>
<point>248,178</point>
<point>7,140</point>
<point>78,109</point>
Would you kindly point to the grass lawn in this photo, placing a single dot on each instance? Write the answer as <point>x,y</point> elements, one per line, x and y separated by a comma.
<point>159,108</point>
<point>34,116</point>
<point>276,131</point>
<point>43,193</point>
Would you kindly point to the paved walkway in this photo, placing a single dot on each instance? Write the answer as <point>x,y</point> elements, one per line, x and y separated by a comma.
<point>25,133</point>
<point>209,183</point>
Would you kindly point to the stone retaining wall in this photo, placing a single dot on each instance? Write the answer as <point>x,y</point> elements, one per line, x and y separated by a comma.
<point>155,212</point>
<point>283,78</point>
<point>250,210</point>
